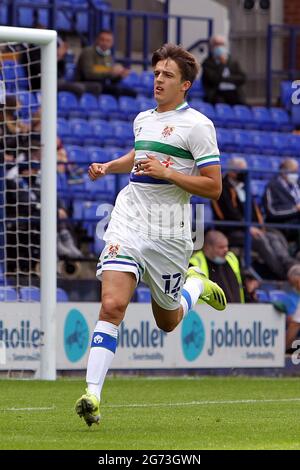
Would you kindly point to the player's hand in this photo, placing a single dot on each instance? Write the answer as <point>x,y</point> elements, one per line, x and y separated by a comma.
<point>97,170</point>
<point>151,166</point>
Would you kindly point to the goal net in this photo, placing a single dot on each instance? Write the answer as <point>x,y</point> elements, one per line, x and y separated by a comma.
<point>28,191</point>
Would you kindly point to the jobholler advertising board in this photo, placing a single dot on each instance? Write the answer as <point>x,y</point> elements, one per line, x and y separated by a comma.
<point>241,336</point>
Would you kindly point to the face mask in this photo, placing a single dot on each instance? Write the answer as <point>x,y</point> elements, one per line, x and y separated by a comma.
<point>219,260</point>
<point>241,177</point>
<point>292,178</point>
<point>220,51</point>
<point>103,53</point>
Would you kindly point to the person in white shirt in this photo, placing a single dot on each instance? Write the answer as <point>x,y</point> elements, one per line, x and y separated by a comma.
<point>149,237</point>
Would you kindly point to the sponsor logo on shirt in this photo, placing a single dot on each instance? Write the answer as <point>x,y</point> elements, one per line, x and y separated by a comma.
<point>167,131</point>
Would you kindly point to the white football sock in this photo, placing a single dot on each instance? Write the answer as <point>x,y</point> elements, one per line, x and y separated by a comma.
<point>102,352</point>
<point>191,291</point>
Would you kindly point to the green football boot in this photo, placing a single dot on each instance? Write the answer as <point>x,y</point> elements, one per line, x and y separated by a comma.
<point>212,294</point>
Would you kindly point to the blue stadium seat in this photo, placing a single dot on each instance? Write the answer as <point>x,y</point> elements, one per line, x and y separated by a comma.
<point>245,117</point>
<point>263,142</point>
<point>102,133</point>
<point>67,104</point>
<point>123,133</point>
<point>226,116</point>
<point>281,119</point>
<point>143,295</point>
<point>129,107</point>
<point>4,14</point>
<point>225,139</point>
<point>96,154</point>
<point>109,106</point>
<point>294,144</point>
<point>263,118</point>
<point>262,296</point>
<point>77,205</point>
<point>8,294</point>
<point>81,131</point>
<point>103,187</point>
<point>61,295</point>
<point>283,298</point>
<point>146,83</point>
<point>196,90</point>
<point>30,294</point>
<point>76,154</point>
<point>89,107</point>
<point>89,210</point>
<point>145,103</point>
<point>63,128</point>
<point>62,182</point>
<point>286,92</point>
<point>22,79</point>
<point>295,110</point>
<point>29,103</point>
<point>132,80</point>
<point>207,109</point>
<point>258,189</point>
<point>281,143</point>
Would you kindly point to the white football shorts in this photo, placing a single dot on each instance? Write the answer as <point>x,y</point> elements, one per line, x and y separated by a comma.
<point>159,263</point>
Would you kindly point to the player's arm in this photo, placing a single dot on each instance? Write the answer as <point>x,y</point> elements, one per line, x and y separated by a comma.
<point>120,165</point>
<point>207,184</point>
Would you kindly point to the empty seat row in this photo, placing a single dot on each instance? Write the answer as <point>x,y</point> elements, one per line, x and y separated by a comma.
<point>102,107</point>
<point>245,117</point>
<point>28,294</point>
<point>259,142</point>
<point>95,132</point>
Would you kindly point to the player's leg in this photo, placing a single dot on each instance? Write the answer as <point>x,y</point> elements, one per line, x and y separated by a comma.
<point>174,288</point>
<point>117,290</point>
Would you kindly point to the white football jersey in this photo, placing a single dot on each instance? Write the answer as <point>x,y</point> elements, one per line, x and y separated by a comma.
<point>182,139</point>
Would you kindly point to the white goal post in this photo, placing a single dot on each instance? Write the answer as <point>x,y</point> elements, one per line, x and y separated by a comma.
<point>47,39</point>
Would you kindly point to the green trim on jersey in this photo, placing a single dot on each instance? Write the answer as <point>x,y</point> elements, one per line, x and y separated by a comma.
<point>162,148</point>
<point>203,159</point>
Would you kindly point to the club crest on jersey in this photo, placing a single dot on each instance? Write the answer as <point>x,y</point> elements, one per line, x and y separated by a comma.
<point>113,250</point>
<point>167,131</point>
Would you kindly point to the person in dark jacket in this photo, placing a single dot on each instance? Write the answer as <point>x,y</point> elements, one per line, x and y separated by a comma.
<point>282,198</point>
<point>271,245</point>
<point>222,77</point>
<point>96,67</point>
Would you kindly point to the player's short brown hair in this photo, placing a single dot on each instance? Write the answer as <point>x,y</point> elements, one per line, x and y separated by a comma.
<point>186,62</point>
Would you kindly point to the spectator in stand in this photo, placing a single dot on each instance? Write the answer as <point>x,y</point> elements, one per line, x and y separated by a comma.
<point>282,198</point>
<point>271,245</point>
<point>220,265</point>
<point>251,284</point>
<point>222,77</point>
<point>97,69</point>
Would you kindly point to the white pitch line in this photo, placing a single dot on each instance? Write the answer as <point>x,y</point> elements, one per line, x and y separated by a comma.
<point>43,408</point>
<point>199,403</point>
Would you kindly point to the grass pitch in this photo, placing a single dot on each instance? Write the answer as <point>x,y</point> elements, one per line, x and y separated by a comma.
<point>140,413</point>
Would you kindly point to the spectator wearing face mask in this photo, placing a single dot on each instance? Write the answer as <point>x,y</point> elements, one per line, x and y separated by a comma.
<point>220,265</point>
<point>97,69</point>
<point>222,77</point>
<point>269,244</point>
<point>282,198</point>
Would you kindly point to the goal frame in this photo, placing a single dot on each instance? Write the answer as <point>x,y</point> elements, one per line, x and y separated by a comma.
<point>47,39</point>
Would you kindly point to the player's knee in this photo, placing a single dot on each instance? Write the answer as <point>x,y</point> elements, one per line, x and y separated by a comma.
<point>112,309</point>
